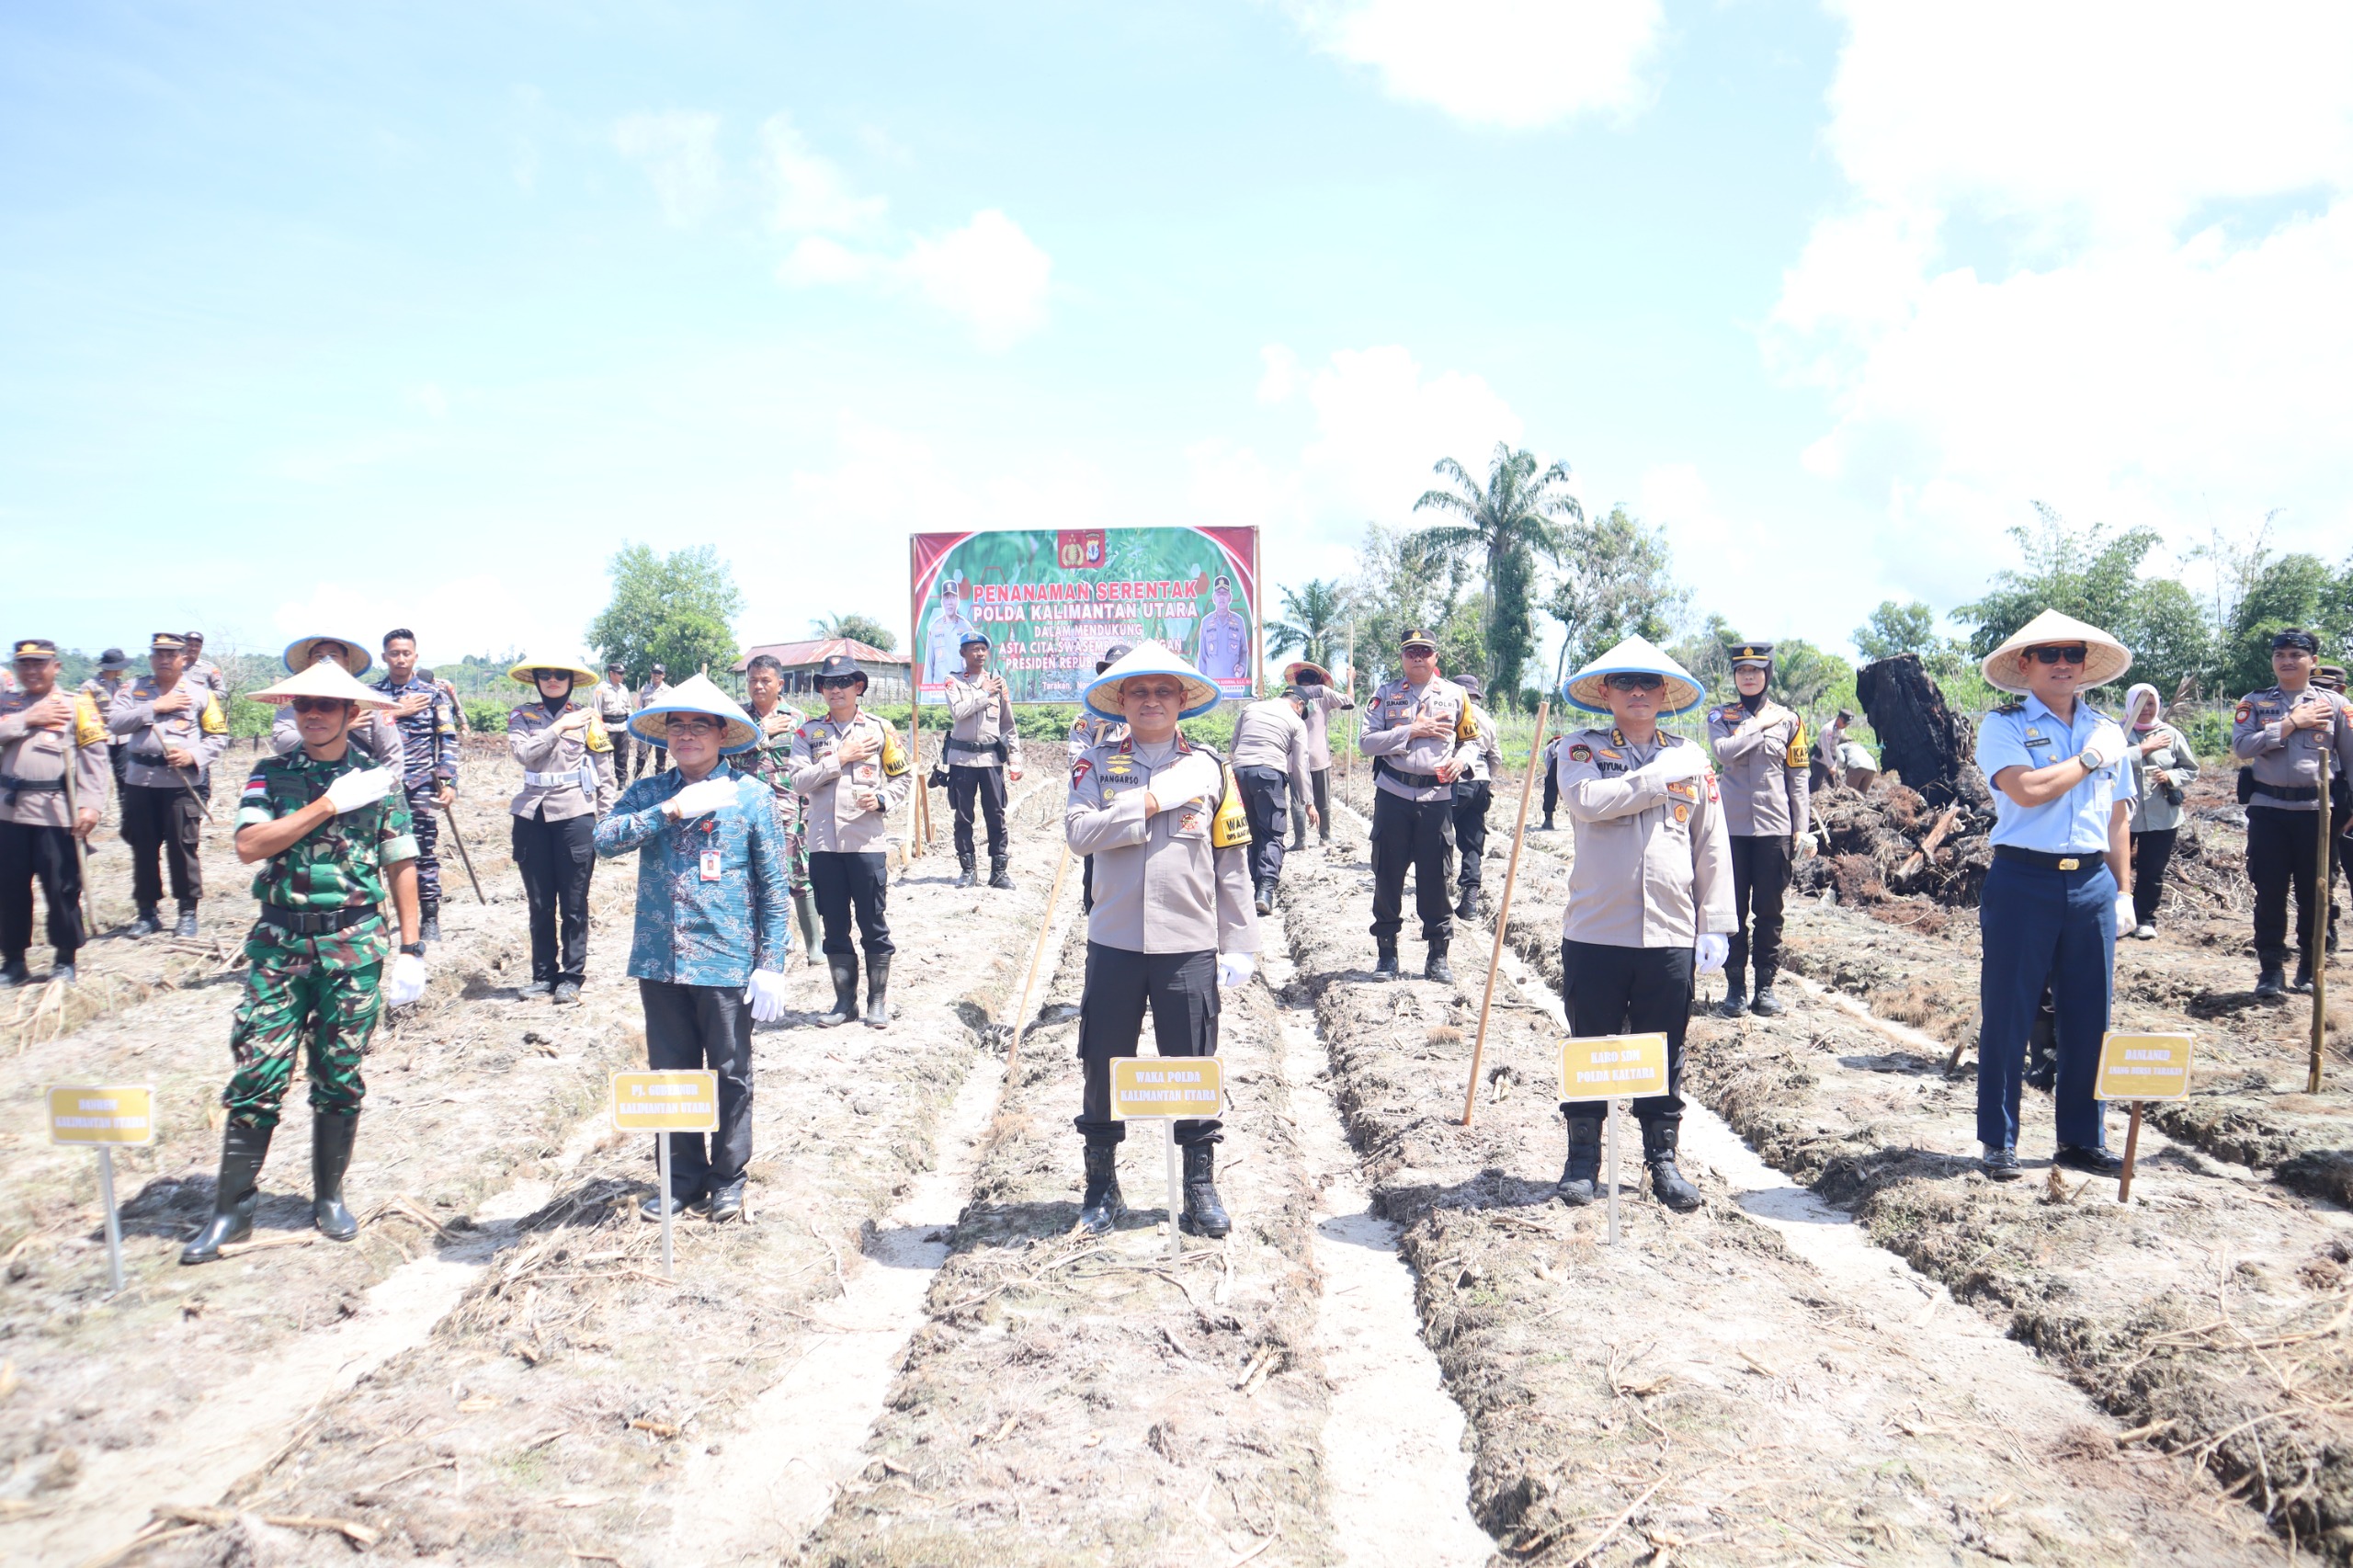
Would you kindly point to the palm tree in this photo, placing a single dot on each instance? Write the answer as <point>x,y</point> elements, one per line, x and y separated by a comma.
<point>1504,523</point>
<point>1313,622</point>
<point>859,628</point>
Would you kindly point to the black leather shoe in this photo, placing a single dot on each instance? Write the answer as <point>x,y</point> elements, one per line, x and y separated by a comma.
<point>2303,984</point>
<point>727,1202</point>
<point>964,877</point>
<point>845,970</point>
<point>566,994</point>
<point>1736,1001</point>
<point>331,1140</point>
<point>243,1149</point>
<point>61,972</point>
<point>1204,1211</point>
<point>147,924</point>
<point>1101,1208</point>
<point>1385,968</point>
<point>1668,1184</point>
<point>534,990</point>
<point>652,1208</point>
<point>14,973</point>
<point>186,927</point>
<point>1765,1004</point>
<point>2094,1162</point>
<point>2001,1164</point>
<point>1434,967</point>
<point>1581,1176</point>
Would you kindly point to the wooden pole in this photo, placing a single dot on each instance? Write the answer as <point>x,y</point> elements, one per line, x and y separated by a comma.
<point>1502,910</point>
<point>2318,940</point>
<point>1036,957</point>
<point>73,830</point>
<point>2131,1148</point>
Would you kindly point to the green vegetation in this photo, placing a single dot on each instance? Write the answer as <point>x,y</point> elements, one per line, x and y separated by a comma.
<point>861,628</point>
<point>1314,623</point>
<point>1504,523</point>
<point>674,609</point>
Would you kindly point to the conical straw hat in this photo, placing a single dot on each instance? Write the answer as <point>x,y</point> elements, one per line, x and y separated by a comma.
<point>696,694</point>
<point>323,677</point>
<point>1150,659</point>
<point>1635,655</point>
<point>2105,657</point>
<point>303,651</point>
<point>581,674</point>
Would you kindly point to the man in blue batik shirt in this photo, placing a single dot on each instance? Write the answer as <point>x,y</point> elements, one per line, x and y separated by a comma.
<point>2061,870</point>
<point>713,924</point>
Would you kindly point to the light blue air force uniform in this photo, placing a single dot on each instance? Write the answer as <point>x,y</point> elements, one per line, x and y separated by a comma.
<point>2047,924</point>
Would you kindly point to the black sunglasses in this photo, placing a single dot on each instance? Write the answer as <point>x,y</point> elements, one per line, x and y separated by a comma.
<point>318,705</point>
<point>2074,654</point>
<point>1633,681</point>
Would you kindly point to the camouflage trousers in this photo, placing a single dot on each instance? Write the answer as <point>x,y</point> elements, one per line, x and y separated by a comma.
<point>290,998</point>
<point>796,854</point>
<point>425,821</point>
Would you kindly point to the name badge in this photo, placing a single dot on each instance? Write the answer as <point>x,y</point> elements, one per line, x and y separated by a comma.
<point>711,861</point>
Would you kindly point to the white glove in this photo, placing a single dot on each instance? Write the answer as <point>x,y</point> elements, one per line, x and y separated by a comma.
<point>765,994</point>
<point>1234,968</point>
<point>408,979</point>
<point>696,798</point>
<point>2127,917</point>
<point>364,787</point>
<point>1712,951</point>
<point>1195,776</point>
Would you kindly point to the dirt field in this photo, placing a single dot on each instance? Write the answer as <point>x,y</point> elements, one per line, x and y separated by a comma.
<point>1406,1352</point>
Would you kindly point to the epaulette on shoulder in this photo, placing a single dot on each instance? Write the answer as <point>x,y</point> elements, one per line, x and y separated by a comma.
<point>2010,705</point>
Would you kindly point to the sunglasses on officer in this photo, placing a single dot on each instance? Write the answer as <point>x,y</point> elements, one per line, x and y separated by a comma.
<point>837,683</point>
<point>319,705</point>
<point>2071,654</point>
<point>1634,680</point>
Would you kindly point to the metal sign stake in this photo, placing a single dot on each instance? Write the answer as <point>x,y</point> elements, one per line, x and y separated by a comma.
<point>1176,1189</point>
<point>662,1143</point>
<point>1613,1173</point>
<point>114,1221</point>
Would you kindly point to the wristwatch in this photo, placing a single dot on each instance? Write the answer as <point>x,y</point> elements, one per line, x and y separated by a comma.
<point>413,950</point>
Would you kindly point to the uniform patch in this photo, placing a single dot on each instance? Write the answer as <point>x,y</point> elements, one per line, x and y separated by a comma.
<point>1083,767</point>
<point>2243,713</point>
<point>1620,756</point>
<point>1686,789</point>
<point>1582,753</point>
<point>1711,787</point>
<point>1683,815</point>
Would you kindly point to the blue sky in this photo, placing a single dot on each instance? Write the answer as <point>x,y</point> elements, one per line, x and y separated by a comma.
<point>337,318</point>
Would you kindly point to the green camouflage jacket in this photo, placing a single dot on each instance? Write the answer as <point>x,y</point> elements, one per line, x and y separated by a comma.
<point>338,864</point>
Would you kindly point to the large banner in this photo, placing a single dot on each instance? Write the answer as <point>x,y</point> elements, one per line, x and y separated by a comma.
<point>1051,601</point>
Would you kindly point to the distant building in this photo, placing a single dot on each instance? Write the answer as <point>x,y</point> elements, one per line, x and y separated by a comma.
<point>886,674</point>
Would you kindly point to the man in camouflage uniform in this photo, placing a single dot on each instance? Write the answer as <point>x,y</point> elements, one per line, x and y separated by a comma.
<point>770,760</point>
<point>427,720</point>
<point>1092,729</point>
<point>173,729</point>
<point>331,836</point>
<point>53,787</point>
<point>101,689</point>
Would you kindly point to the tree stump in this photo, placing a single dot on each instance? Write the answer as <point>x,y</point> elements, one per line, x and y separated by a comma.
<point>1920,738</point>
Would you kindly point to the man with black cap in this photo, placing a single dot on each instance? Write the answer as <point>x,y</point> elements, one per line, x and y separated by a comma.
<point>1473,792</point>
<point>200,668</point>
<point>101,689</point>
<point>1316,681</point>
<point>613,703</point>
<point>173,728</point>
<point>851,768</point>
<point>1420,735</point>
<point>1762,769</point>
<point>2285,735</point>
<point>984,751</point>
<point>52,786</point>
<point>653,759</point>
<point>1269,761</point>
<point>1092,729</point>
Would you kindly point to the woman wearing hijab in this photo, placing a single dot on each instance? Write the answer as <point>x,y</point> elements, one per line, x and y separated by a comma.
<point>2162,770</point>
<point>567,762</point>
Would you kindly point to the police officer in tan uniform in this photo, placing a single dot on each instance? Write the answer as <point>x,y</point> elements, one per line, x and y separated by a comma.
<point>851,768</point>
<point>614,704</point>
<point>52,789</point>
<point>173,728</point>
<point>101,689</point>
<point>1091,729</point>
<point>1269,761</point>
<point>1173,919</point>
<point>1761,754</point>
<point>1474,791</point>
<point>567,762</point>
<point>1420,733</point>
<point>373,734</point>
<point>1650,892</point>
<point>2284,735</point>
<point>1322,700</point>
<point>984,752</point>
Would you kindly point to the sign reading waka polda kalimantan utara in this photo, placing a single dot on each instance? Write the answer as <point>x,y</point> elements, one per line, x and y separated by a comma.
<point>1052,600</point>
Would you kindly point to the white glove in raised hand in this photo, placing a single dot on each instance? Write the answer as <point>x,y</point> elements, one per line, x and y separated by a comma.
<point>407,982</point>
<point>364,787</point>
<point>1234,968</point>
<point>1196,775</point>
<point>765,994</point>
<point>696,798</point>
<point>1712,951</point>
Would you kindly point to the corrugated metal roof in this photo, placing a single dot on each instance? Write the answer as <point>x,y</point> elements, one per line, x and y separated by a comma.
<point>816,651</point>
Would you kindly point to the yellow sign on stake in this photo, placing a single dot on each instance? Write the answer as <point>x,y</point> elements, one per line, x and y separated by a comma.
<point>675,1101</point>
<point>1184,1086</point>
<point>118,1113</point>
<point>1610,1066</point>
<point>2143,1067</point>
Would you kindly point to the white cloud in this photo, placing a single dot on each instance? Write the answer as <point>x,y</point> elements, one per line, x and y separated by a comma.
<point>456,617</point>
<point>1515,63</point>
<point>1380,425</point>
<point>812,195</point>
<point>678,150</point>
<point>989,274</point>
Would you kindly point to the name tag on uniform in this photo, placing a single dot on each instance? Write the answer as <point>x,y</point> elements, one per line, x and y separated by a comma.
<point>710,861</point>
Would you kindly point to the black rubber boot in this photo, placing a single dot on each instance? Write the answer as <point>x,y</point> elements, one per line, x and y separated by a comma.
<point>1666,1183</point>
<point>186,927</point>
<point>1101,1208</point>
<point>1581,1176</point>
<point>1765,1004</point>
<point>845,991</point>
<point>1434,967</point>
<point>243,1149</point>
<point>1735,1000</point>
<point>878,992</point>
<point>331,1140</point>
<point>2303,984</point>
<point>804,909</point>
<point>1204,1214</point>
<point>1467,906</point>
<point>14,973</point>
<point>1265,900</point>
<point>429,922</point>
<point>1385,968</point>
<point>1001,872</point>
<point>148,922</point>
<point>964,877</point>
<point>2273,982</point>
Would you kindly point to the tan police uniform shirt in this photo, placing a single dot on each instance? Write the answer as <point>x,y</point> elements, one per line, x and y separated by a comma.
<point>613,705</point>
<point>1764,776</point>
<point>1653,865</point>
<point>1322,701</point>
<point>375,733</point>
<point>837,825</point>
<point>197,729</point>
<point>1387,722</point>
<point>2290,759</point>
<point>1175,882</point>
<point>32,760</point>
<point>978,719</point>
<point>564,775</point>
<point>1487,751</point>
<point>1268,734</point>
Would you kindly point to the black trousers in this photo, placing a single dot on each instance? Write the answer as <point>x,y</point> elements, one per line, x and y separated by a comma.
<point>1630,991</point>
<point>1085,884</point>
<point>2152,852</point>
<point>2282,849</point>
<point>1319,784</point>
<point>1266,797</point>
<point>557,859</point>
<point>1760,876</point>
<point>848,883</point>
<point>623,744</point>
<point>652,759</point>
<point>29,853</point>
<point>1471,798</point>
<point>983,786</point>
<point>1551,792</point>
<point>1419,834</point>
<point>1182,989</point>
<point>117,758</point>
<point>168,823</point>
<point>692,1028</point>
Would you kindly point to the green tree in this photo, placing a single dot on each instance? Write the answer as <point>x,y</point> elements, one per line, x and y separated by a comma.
<point>2291,590</point>
<point>1314,623</point>
<point>1504,523</point>
<point>1804,676</point>
<point>2094,576</point>
<point>1615,584</point>
<point>1401,582</point>
<point>1703,653</point>
<point>1898,629</point>
<point>672,609</point>
<point>861,628</point>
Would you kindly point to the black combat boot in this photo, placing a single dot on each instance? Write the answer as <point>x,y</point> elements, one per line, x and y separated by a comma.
<point>2273,982</point>
<point>1467,906</point>
<point>1765,1004</point>
<point>1266,901</point>
<point>1385,968</point>
<point>845,968</point>
<point>243,1149</point>
<point>1658,1151</point>
<point>1101,1207</point>
<point>1546,825</point>
<point>878,992</point>
<point>14,973</point>
<point>1204,1214</point>
<point>1735,1000</point>
<point>1001,872</point>
<point>186,927</point>
<point>1434,966</point>
<point>331,1139</point>
<point>1581,1176</point>
<point>2303,984</point>
<point>429,922</point>
<point>61,972</point>
<point>804,909</point>
<point>147,924</point>
<point>964,877</point>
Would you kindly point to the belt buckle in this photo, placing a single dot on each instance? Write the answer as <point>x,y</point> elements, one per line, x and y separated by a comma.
<point>2068,862</point>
